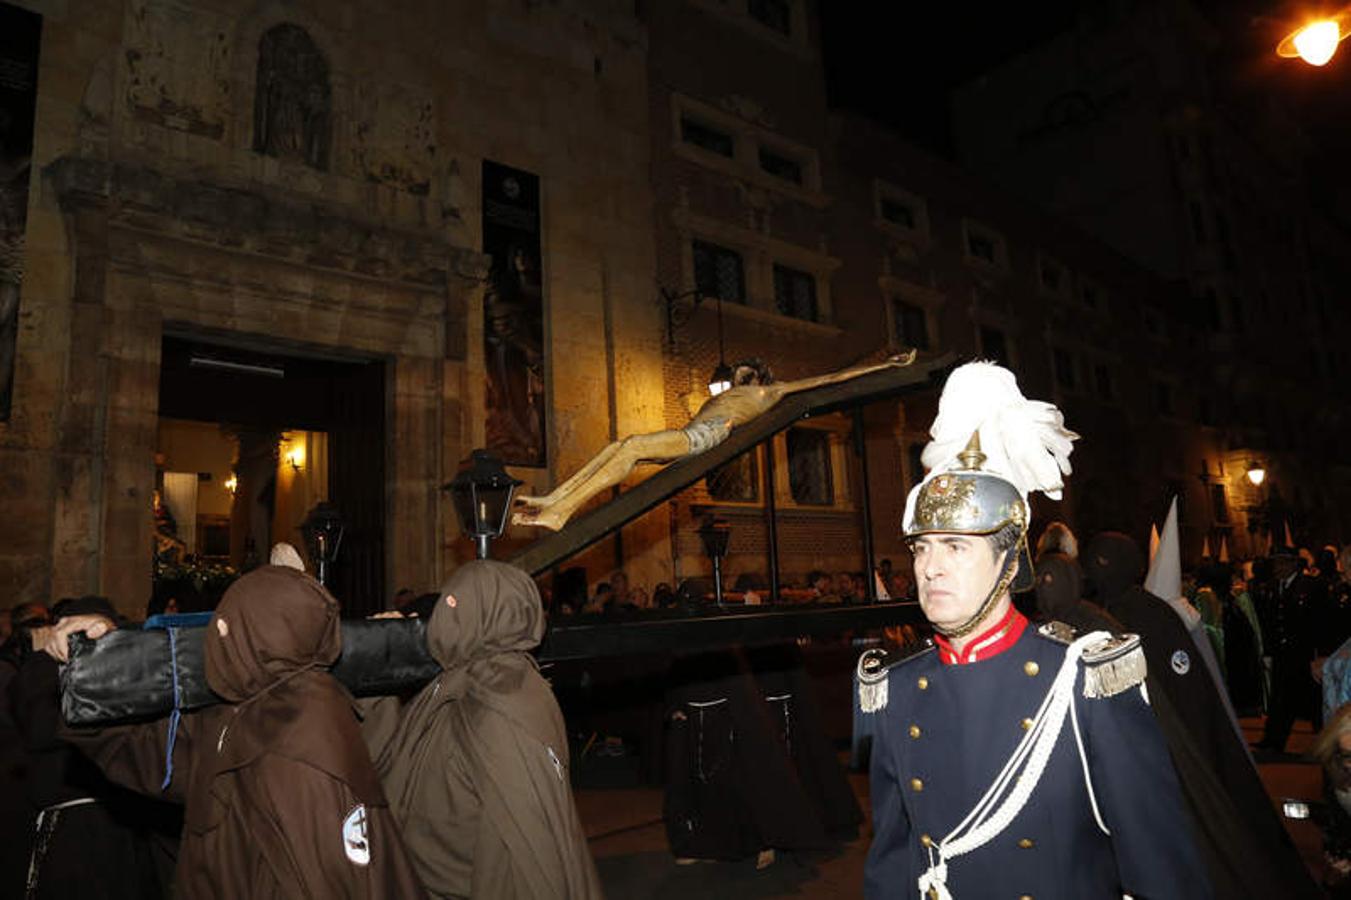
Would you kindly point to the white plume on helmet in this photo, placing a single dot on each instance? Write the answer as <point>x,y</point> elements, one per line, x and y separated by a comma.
<point>1024,441</point>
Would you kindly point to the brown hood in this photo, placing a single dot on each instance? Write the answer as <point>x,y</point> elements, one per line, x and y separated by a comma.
<point>271,624</point>
<point>1113,564</point>
<point>1059,585</point>
<point>497,610</point>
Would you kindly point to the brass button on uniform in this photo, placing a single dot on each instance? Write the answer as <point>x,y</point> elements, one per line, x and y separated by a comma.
<point>1027,843</point>
<point>1027,724</point>
<point>914,731</point>
<point>926,840</point>
<point>916,785</point>
<point>923,683</point>
<point>1031,668</point>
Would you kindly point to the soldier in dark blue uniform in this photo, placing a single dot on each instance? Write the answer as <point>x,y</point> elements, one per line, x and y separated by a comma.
<point>1010,760</point>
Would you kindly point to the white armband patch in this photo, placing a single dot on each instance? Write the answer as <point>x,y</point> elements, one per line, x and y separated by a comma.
<point>355,839</point>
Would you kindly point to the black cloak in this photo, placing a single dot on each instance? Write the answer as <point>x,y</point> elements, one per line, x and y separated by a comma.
<point>1247,849</point>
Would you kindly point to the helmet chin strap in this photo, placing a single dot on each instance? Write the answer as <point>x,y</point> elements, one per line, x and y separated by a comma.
<point>1001,586</point>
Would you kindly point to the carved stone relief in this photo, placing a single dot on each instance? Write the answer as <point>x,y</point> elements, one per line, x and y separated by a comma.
<point>394,136</point>
<point>178,65</point>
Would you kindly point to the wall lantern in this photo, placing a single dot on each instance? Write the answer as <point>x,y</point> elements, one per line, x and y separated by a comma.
<point>482,494</point>
<point>715,534</point>
<point>232,484</point>
<point>1256,474</point>
<point>721,379</point>
<point>323,529</point>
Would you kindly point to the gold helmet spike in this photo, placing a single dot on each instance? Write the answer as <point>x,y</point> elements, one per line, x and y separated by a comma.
<point>971,458</point>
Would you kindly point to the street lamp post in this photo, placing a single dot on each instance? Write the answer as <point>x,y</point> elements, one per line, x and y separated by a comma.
<point>716,534</point>
<point>482,494</point>
<point>323,530</point>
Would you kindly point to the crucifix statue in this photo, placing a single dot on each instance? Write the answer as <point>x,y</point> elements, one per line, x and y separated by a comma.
<point>752,393</point>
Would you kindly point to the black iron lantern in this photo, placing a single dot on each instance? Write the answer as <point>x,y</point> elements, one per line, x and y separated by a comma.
<point>716,533</point>
<point>323,529</point>
<point>482,495</point>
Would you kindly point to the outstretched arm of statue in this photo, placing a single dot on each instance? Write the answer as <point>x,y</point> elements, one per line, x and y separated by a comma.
<point>895,361</point>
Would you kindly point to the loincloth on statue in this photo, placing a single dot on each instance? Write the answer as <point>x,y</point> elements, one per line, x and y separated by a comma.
<point>706,434</point>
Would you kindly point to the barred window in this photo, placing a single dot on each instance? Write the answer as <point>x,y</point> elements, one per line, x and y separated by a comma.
<point>718,272</point>
<point>707,137</point>
<point>736,481</point>
<point>781,166</point>
<point>912,325</point>
<point>775,14</point>
<point>810,479</point>
<point>795,293</point>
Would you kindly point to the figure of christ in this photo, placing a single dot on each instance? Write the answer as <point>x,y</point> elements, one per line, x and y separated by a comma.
<point>753,392</point>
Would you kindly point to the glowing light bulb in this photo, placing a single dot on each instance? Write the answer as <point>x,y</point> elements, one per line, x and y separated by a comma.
<point>1317,41</point>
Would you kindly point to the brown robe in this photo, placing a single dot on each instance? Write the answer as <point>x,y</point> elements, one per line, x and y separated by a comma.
<point>476,765</point>
<point>282,798</point>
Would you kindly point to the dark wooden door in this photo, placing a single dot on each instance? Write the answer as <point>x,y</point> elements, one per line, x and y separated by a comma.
<point>356,485</point>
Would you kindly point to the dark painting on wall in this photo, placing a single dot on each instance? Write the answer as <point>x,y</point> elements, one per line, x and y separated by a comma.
<point>513,317</point>
<point>20,32</point>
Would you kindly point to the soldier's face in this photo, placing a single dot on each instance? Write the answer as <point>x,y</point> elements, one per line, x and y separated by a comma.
<point>954,574</point>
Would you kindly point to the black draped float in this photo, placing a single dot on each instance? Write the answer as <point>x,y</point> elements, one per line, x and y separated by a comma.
<point>130,675</point>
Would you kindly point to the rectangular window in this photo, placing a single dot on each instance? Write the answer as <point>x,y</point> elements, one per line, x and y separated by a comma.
<point>1163,398</point>
<point>1064,368</point>
<point>898,213</point>
<point>736,481</point>
<point>912,325</point>
<point>993,346</point>
<point>706,137</point>
<point>795,293</point>
<point>1198,217</point>
<point>1220,502</point>
<point>1052,276</point>
<point>1102,378</point>
<point>1153,325</point>
<point>775,14</point>
<point>718,272</point>
<point>810,479</point>
<point>781,166</point>
<point>981,246</point>
<point>1210,305</point>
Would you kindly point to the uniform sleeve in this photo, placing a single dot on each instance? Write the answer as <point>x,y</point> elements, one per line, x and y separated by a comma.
<point>319,840</point>
<point>1141,803</point>
<point>134,755</point>
<point>887,872</point>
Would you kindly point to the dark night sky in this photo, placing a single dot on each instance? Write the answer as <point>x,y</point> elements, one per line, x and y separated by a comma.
<point>898,63</point>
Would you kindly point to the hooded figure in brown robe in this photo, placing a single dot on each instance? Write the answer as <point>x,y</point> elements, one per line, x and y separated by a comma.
<point>282,798</point>
<point>477,764</point>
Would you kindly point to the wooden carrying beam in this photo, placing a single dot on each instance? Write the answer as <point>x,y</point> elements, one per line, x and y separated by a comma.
<point>594,526</point>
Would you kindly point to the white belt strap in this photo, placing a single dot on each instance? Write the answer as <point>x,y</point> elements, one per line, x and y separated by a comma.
<point>992,814</point>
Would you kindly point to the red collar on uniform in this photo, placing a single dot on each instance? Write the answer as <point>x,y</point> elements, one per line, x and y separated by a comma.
<point>990,642</point>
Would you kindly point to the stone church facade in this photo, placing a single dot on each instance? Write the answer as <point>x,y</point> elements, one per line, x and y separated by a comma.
<point>303,177</point>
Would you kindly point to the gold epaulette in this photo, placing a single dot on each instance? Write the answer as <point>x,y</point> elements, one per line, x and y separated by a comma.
<point>1111,666</point>
<point>874,666</point>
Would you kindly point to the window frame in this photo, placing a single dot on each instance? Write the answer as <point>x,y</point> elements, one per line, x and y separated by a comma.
<point>719,250</point>
<point>999,261</point>
<point>884,191</point>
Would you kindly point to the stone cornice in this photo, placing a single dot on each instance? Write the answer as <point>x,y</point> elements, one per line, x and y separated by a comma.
<point>247,219</point>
